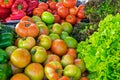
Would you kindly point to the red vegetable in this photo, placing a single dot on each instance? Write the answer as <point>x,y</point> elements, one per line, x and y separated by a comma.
<point>6,3</point>
<point>4,13</point>
<point>16,15</point>
<point>19,5</point>
<point>32,4</point>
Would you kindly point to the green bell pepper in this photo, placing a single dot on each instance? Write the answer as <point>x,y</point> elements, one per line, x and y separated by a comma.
<point>3,57</point>
<point>6,39</point>
<point>5,71</point>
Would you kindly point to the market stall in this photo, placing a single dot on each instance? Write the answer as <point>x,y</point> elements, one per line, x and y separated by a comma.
<point>59,40</point>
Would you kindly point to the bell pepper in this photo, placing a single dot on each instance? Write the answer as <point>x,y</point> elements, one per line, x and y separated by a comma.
<point>3,57</point>
<point>15,16</point>
<point>31,5</point>
<point>5,71</point>
<point>19,5</point>
<point>6,3</point>
<point>6,39</point>
<point>4,13</point>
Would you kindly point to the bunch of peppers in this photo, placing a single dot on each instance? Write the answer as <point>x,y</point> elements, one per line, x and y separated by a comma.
<point>16,9</point>
<point>5,68</point>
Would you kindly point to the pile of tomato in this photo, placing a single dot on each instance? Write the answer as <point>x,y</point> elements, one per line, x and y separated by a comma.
<point>62,11</point>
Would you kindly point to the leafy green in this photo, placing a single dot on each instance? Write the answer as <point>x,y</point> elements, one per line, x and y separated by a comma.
<point>101,51</point>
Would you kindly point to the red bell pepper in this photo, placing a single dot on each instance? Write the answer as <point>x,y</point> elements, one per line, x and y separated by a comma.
<point>6,3</point>
<point>16,15</point>
<point>31,5</point>
<point>4,13</point>
<point>19,5</point>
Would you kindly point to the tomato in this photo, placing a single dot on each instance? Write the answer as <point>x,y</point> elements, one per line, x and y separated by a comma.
<point>63,11</point>
<point>81,14</point>
<point>43,5</point>
<point>57,18</point>
<point>72,52</point>
<point>72,71</point>
<point>26,42</point>
<point>71,19</point>
<point>53,70</point>
<point>78,20</point>
<point>52,5</point>
<point>20,57</point>
<point>47,17</point>
<point>44,41</point>
<point>59,4</point>
<point>19,76</point>
<point>26,28</point>
<point>84,78</point>
<point>80,63</point>
<point>49,10</point>
<point>52,57</point>
<point>81,7</point>
<point>38,11</point>
<point>59,47</point>
<point>73,10</point>
<point>64,78</point>
<point>34,71</point>
<point>69,3</point>
<point>38,54</point>
<point>26,18</point>
<point>10,49</point>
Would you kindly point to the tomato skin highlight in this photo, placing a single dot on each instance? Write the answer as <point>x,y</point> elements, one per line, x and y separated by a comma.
<point>69,3</point>
<point>53,70</point>
<point>71,19</point>
<point>63,12</point>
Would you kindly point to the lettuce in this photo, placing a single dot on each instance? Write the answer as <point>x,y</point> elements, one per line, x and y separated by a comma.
<point>101,51</point>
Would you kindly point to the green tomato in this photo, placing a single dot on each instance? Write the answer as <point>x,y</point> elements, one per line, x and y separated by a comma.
<point>27,43</point>
<point>72,71</point>
<point>38,54</point>
<point>47,17</point>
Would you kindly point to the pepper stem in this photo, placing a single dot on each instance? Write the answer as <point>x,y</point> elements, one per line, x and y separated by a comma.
<point>6,1</point>
<point>19,7</point>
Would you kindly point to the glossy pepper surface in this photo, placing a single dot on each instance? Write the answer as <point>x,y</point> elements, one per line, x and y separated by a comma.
<point>6,3</point>
<point>19,5</point>
<point>5,71</point>
<point>3,57</point>
<point>6,39</point>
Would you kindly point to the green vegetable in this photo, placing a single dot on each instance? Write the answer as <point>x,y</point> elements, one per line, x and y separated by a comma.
<point>101,52</point>
<point>97,10</point>
<point>3,57</point>
<point>6,39</point>
<point>5,71</point>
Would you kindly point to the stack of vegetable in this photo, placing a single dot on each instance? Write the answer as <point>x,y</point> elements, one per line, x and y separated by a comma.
<point>101,52</point>
<point>16,9</point>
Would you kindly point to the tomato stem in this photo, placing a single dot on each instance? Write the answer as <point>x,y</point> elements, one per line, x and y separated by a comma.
<point>33,51</point>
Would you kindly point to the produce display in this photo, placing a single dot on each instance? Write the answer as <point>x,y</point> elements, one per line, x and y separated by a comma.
<point>59,40</point>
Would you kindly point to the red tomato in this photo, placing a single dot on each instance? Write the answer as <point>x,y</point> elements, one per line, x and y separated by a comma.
<point>54,11</point>
<point>81,7</point>
<point>43,5</point>
<point>57,18</point>
<point>64,78</point>
<point>80,14</point>
<point>71,19</point>
<point>69,3</point>
<point>73,10</point>
<point>49,10</point>
<point>52,5</point>
<point>63,11</point>
<point>59,4</point>
<point>78,19</point>
<point>59,47</point>
<point>53,70</point>
<point>38,11</point>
